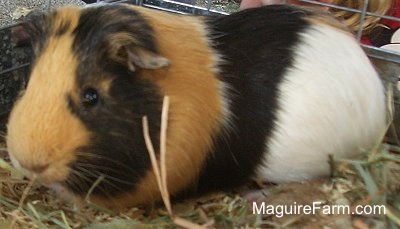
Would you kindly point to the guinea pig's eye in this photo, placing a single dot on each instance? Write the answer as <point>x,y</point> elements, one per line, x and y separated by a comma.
<point>90,97</point>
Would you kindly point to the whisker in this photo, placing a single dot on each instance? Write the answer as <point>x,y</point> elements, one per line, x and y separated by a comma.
<point>84,170</point>
<point>101,157</point>
<point>85,188</point>
<point>74,180</point>
<point>124,167</point>
<point>73,185</point>
<point>99,167</point>
<point>85,165</point>
<point>3,134</point>
<point>108,177</point>
<point>106,181</point>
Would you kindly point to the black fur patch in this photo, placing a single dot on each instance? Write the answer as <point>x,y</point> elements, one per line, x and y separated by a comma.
<point>257,45</point>
<point>61,30</point>
<point>97,23</point>
<point>115,121</point>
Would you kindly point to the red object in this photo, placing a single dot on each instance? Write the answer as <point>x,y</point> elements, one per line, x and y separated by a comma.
<point>394,12</point>
<point>382,35</point>
<point>366,41</point>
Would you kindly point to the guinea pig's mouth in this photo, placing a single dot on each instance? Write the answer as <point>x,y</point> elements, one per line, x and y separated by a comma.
<point>52,175</point>
<point>44,175</point>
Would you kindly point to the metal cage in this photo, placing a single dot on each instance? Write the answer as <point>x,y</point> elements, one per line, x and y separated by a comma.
<point>14,63</point>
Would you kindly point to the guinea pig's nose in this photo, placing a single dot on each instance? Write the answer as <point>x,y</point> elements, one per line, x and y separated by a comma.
<point>35,168</point>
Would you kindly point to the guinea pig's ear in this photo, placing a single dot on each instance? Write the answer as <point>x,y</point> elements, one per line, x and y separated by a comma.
<point>30,30</point>
<point>21,36</point>
<point>125,49</point>
<point>143,58</point>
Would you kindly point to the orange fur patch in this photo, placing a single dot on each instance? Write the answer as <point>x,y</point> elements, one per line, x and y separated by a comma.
<point>41,129</point>
<point>195,107</point>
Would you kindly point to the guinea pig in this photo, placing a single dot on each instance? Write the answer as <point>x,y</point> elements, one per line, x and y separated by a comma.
<point>265,93</point>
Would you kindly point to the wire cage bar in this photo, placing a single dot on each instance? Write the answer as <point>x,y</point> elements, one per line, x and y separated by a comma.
<point>14,63</point>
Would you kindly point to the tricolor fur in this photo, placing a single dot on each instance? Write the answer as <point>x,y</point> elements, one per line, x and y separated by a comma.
<point>264,93</point>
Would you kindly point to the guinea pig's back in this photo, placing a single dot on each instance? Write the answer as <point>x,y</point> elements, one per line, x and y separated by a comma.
<point>300,89</point>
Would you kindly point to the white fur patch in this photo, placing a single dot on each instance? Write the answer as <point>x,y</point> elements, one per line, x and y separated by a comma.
<point>331,102</point>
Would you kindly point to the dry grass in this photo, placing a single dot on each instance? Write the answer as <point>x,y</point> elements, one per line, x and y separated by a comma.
<point>373,180</point>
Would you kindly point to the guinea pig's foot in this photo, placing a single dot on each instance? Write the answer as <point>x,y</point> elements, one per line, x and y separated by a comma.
<point>255,193</point>
<point>64,195</point>
<point>254,196</point>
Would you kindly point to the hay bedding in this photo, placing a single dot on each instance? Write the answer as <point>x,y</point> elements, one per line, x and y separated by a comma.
<point>26,205</point>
